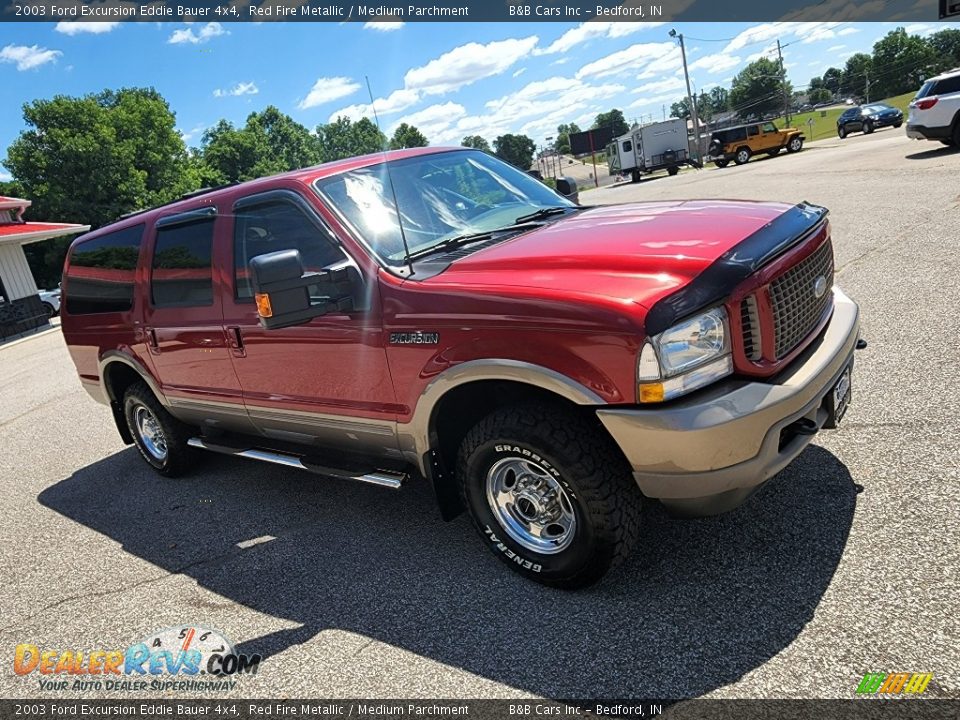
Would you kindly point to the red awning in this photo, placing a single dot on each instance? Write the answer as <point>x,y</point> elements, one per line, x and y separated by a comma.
<point>21,233</point>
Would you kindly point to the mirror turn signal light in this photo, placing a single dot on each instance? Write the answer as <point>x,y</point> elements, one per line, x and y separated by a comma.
<point>264,308</point>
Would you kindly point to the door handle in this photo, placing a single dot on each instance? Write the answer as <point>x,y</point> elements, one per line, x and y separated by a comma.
<point>152,340</point>
<point>235,341</point>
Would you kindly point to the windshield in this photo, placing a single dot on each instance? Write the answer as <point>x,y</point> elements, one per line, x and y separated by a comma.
<point>438,197</point>
<point>875,109</point>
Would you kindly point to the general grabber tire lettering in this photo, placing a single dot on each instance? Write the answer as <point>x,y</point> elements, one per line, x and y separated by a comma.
<point>160,437</point>
<point>550,495</point>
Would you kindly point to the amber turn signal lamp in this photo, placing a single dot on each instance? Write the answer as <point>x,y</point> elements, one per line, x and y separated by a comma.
<point>263,305</point>
<point>651,392</point>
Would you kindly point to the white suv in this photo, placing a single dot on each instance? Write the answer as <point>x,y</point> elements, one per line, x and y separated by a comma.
<point>935,111</point>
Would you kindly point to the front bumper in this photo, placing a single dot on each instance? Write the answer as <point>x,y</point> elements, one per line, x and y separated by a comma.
<point>707,453</point>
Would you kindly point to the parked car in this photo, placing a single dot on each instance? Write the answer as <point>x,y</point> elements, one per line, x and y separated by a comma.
<point>744,141</point>
<point>935,111</point>
<point>867,118</point>
<point>51,301</point>
<point>435,314</point>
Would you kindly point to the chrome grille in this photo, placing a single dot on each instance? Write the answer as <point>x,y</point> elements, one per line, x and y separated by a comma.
<point>796,308</point>
<point>750,324</point>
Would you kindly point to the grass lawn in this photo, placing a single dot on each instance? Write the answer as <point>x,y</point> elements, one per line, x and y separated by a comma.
<point>825,119</point>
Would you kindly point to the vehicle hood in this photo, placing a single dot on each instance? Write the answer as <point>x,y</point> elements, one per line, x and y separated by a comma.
<point>636,253</point>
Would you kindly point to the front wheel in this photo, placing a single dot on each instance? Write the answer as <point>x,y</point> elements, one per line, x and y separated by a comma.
<point>49,309</point>
<point>867,128</point>
<point>795,145</point>
<point>160,437</point>
<point>673,170</point>
<point>635,176</point>
<point>551,495</point>
<point>721,163</point>
<point>842,132</point>
<point>742,157</point>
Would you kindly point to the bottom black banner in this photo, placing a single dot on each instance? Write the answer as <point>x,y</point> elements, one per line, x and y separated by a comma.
<point>863,709</point>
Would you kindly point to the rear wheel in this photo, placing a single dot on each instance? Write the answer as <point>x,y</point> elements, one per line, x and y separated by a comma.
<point>842,131</point>
<point>49,309</point>
<point>742,157</point>
<point>634,175</point>
<point>946,141</point>
<point>956,133</point>
<point>550,495</point>
<point>721,163</point>
<point>795,144</point>
<point>160,437</point>
<point>896,125</point>
<point>673,170</point>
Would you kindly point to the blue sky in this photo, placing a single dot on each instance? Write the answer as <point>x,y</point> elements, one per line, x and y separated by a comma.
<point>450,79</point>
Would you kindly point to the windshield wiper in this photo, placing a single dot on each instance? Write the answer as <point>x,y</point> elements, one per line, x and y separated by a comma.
<point>542,213</point>
<point>466,239</point>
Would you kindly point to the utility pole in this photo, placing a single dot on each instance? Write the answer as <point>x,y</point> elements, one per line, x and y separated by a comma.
<point>693,105</point>
<point>867,73</point>
<point>783,81</point>
<point>664,111</point>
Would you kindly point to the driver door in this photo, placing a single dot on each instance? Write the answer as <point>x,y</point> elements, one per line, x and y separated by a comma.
<point>325,382</point>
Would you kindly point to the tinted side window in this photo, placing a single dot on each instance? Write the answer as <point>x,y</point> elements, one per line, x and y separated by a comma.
<point>627,146</point>
<point>753,130</point>
<point>947,86</point>
<point>181,274</point>
<point>279,225</point>
<point>100,278</point>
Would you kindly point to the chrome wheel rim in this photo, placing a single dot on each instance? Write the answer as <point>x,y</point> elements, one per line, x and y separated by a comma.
<point>151,434</point>
<point>742,156</point>
<point>531,505</point>
<point>795,144</point>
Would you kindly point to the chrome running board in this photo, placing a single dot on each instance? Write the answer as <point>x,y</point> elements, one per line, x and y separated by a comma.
<point>385,478</point>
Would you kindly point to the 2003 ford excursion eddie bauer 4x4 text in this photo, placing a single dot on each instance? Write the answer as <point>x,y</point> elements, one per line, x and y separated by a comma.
<point>436,313</point>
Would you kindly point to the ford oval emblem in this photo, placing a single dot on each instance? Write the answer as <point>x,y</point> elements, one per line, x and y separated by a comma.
<point>819,286</point>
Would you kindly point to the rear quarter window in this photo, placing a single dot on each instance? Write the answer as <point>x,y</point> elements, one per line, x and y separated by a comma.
<point>101,272</point>
<point>947,86</point>
<point>182,274</point>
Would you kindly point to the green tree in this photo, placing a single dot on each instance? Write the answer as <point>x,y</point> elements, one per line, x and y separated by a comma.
<point>759,88</point>
<point>344,138</point>
<point>563,137</point>
<point>719,99</point>
<point>614,120</point>
<point>518,150</point>
<point>901,62</point>
<point>704,107</point>
<point>946,45</point>
<point>90,159</point>
<point>832,80</point>
<point>407,136</point>
<point>476,142</point>
<point>859,67</point>
<point>680,109</point>
<point>818,95</point>
<point>269,143</point>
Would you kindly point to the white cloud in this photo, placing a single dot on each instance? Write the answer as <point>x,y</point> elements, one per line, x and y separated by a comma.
<point>832,49</point>
<point>757,34</point>
<point>848,31</point>
<point>631,58</point>
<point>466,64</point>
<point>189,135</point>
<point>77,28</point>
<point>327,89</point>
<point>649,102</point>
<point>715,63</point>
<point>397,101</point>
<point>846,54</point>
<point>432,121</point>
<point>384,26</point>
<point>670,62</point>
<point>241,88</point>
<point>520,72</point>
<point>813,32</point>
<point>592,30</point>
<point>920,29</point>
<point>207,32</point>
<point>660,86</point>
<point>28,57</point>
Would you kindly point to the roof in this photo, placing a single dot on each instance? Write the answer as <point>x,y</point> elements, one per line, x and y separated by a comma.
<point>21,233</point>
<point>303,176</point>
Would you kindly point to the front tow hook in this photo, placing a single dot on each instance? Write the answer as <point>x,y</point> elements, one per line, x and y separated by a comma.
<point>861,344</point>
<point>804,426</point>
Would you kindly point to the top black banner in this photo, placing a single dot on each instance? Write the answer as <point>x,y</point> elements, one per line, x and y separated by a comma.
<point>477,10</point>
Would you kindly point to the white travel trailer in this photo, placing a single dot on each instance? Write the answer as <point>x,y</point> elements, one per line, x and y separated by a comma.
<point>657,146</point>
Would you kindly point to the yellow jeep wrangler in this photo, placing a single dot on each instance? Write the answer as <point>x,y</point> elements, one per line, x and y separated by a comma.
<point>741,142</point>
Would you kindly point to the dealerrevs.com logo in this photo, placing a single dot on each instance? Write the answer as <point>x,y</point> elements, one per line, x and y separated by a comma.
<point>886,684</point>
<point>187,657</point>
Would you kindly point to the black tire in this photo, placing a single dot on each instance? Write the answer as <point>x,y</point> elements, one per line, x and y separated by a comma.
<point>774,152</point>
<point>174,434</point>
<point>742,156</point>
<point>50,310</point>
<point>867,128</point>
<point>955,136</point>
<point>721,163</point>
<point>947,141</point>
<point>897,125</point>
<point>635,176</point>
<point>795,144</point>
<point>595,484</point>
<point>673,170</point>
<point>842,132</point>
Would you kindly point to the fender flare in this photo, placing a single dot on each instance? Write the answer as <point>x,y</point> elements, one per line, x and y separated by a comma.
<point>414,436</point>
<point>115,356</point>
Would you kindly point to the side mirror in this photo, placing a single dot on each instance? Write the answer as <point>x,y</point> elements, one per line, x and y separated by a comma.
<point>287,295</point>
<point>567,187</point>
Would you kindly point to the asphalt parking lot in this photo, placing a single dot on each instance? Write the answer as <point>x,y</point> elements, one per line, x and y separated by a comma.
<point>846,563</point>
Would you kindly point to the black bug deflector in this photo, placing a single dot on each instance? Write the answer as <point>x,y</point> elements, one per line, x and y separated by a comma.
<point>716,283</point>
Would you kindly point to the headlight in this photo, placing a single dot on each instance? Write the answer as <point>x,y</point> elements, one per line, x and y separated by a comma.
<point>685,357</point>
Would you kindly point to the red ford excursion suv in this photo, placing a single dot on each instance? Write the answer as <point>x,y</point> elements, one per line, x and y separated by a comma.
<point>437,314</point>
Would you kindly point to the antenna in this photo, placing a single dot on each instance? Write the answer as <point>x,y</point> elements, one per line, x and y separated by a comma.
<point>393,190</point>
